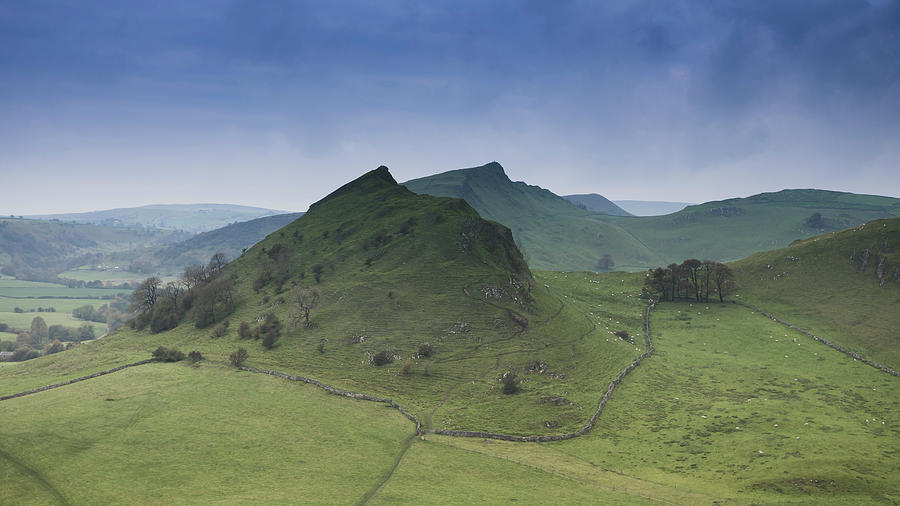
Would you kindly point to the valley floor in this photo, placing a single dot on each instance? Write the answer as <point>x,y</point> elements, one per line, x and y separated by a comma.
<point>731,408</point>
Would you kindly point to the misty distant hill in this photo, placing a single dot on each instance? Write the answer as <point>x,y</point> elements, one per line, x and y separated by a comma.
<point>230,240</point>
<point>597,203</point>
<point>651,207</point>
<point>187,217</point>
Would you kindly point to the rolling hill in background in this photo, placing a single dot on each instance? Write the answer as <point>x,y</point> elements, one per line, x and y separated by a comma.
<point>720,412</point>
<point>843,286</point>
<point>230,240</point>
<point>735,228</point>
<point>596,203</point>
<point>651,207</point>
<point>186,217</point>
<point>555,234</point>
<point>38,250</point>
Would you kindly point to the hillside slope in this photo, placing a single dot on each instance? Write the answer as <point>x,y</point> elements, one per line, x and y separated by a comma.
<point>734,228</point>
<point>597,203</point>
<point>557,235</point>
<point>553,232</point>
<point>186,217</point>
<point>230,240</point>
<point>843,286</point>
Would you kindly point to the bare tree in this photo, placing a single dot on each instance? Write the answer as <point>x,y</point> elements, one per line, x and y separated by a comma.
<point>304,300</point>
<point>143,299</point>
<point>723,279</point>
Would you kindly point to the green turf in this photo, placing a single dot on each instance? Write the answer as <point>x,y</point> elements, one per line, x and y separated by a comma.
<point>34,289</point>
<point>813,285</point>
<point>731,406</point>
<point>23,321</point>
<point>165,433</point>
<point>8,305</point>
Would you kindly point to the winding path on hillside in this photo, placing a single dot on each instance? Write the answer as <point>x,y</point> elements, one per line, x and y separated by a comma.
<point>36,476</point>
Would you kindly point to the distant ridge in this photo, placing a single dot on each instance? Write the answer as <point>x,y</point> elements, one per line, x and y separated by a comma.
<point>597,203</point>
<point>186,217</point>
<point>651,207</point>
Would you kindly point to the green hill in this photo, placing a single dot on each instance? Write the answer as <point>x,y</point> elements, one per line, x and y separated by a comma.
<point>719,413</point>
<point>556,235</point>
<point>230,240</point>
<point>38,250</point>
<point>597,203</point>
<point>553,233</point>
<point>186,217</point>
<point>843,286</point>
<point>735,228</point>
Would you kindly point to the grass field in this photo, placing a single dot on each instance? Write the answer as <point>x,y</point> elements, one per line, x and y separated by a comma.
<point>105,276</point>
<point>165,433</point>
<point>23,321</point>
<point>35,289</point>
<point>686,427</point>
<point>813,285</point>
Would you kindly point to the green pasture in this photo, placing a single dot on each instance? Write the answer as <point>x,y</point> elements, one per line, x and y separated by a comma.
<point>813,285</point>
<point>83,274</point>
<point>8,304</point>
<point>23,320</point>
<point>174,433</point>
<point>16,288</point>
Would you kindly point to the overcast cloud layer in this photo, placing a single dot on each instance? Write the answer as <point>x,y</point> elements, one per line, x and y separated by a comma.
<point>275,104</point>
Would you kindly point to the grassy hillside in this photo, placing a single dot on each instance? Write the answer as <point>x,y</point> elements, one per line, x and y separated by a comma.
<point>829,285</point>
<point>230,239</point>
<point>186,217</point>
<point>735,228</point>
<point>556,235</point>
<point>597,203</point>
<point>728,410</point>
<point>553,232</point>
<point>34,249</point>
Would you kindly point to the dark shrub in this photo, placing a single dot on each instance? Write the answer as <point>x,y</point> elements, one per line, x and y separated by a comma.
<point>168,354</point>
<point>426,350</point>
<point>510,382</point>
<point>238,358</point>
<point>195,356</point>
<point>244,331</point>
<point>383,357</point>
<point>56,347</point>
<point>219,330</point>
<point>406,368</point>
<point>270,330</point>
<point>321,345</point>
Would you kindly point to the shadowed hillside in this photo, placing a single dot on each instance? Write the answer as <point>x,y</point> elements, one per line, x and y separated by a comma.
<point>597,203</point>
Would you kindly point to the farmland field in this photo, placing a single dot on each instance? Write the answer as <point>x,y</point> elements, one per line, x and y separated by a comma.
<point>732,407</point>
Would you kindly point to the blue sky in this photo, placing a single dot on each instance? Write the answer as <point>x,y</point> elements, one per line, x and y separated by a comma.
<point>275,104</point>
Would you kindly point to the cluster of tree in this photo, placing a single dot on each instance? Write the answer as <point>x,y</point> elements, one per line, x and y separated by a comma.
<point>203,291</point>
<point>275,268</point>
<point>269,330</point>
<point>88,313</point>
<point>50,309</point>
<point>692,279</point>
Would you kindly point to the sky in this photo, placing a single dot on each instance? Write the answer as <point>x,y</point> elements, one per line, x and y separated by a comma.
<point>273,103</point>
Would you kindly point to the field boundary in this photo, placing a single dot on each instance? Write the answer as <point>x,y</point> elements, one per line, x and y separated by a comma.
<point>76,380</point>
<point>343,393</point>
<point>824,341</point>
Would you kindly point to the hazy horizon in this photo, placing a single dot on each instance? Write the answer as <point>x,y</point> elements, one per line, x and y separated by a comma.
<point>106,105</point>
